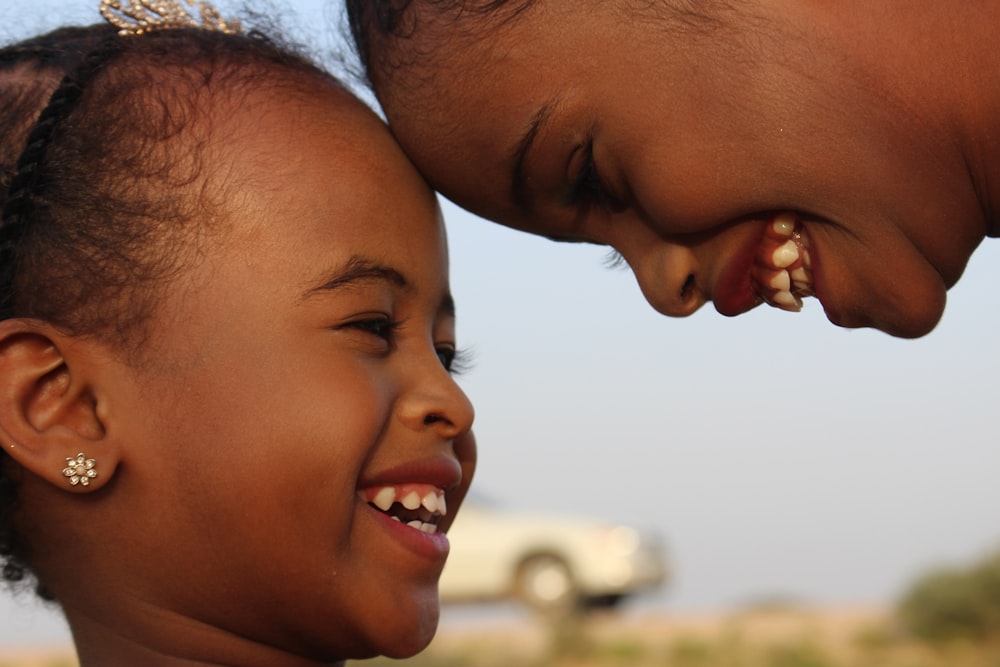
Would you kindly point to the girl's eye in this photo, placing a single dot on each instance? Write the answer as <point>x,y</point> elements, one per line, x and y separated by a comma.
<point>588,188</point>
<point>381,326</point>
<point>454,361</point>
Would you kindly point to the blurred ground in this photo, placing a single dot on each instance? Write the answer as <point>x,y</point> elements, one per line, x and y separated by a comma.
<point>763,636</point>
<point>477,638</point>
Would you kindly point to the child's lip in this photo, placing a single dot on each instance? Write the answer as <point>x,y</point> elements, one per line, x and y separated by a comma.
<point>733,293</point>
<point>430,547</point>
<point>443,472</point>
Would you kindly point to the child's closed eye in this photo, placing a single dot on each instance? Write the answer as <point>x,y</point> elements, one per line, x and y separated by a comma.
<point>588,188</point>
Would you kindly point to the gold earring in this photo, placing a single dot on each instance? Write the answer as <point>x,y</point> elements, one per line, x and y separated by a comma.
<point>80,470</point>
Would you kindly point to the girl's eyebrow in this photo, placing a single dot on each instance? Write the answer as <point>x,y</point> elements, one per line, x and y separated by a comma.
<point>356,269</point>
<point>519,186</point>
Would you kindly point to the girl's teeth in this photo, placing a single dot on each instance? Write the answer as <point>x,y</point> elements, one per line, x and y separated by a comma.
<point>780,281</point>
<point>423,527</point>
<point>411,501</point>
<point>785,255</point>
<point>425,504</point>
<point>385,498</point>
<point>786,301</point>
<point>784,225</point>
<point>782,271</point>
<point>430,502</point>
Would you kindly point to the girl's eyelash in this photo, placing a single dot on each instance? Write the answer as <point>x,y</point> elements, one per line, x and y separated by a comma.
<point>383,327</point>
<point>587,183</point>
<point>614,260</point>
<point>587,187</point>
<point>455,361</point>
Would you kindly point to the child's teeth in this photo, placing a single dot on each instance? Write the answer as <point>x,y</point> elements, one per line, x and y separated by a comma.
<point>784,224</point>
<point>411,501</point>
<point>422,527</point>
<point>442,506</point>
<point>782,273</point>
<point>780,281</point>
<point>430,502</point>
<point>384,498</point>
<point>785,255</point>
<point>787,301</point>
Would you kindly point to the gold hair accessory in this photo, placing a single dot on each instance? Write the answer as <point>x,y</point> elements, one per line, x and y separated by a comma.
<point>135,17</point>
<point>80,470</point>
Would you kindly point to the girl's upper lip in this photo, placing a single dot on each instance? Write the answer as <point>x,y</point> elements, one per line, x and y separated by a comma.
<point>733,292</point>
<point>444,472</point>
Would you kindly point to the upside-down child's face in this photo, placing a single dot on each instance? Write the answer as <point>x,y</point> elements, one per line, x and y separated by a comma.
<point>678,142</point>
<point>297,376</point>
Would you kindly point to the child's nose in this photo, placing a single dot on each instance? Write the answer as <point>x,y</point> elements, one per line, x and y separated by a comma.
<point>436,402</point>
<point>667,276</point>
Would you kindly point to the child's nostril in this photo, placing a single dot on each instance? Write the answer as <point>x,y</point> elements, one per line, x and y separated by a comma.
<point>688,287</point>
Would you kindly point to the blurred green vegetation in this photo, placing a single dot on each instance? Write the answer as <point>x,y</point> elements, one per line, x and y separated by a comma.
<point>955,604</point>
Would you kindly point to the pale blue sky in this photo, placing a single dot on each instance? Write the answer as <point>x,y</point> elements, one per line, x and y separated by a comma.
<point>776,454</point>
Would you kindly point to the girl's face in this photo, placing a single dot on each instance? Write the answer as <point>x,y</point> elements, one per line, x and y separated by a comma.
<point>296,377</point>
<point>677,144</point>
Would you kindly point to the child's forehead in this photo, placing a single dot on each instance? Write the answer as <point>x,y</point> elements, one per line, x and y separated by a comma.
<point>427,31</point>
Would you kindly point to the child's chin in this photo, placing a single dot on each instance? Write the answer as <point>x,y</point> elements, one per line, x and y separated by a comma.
<point>409,638</point>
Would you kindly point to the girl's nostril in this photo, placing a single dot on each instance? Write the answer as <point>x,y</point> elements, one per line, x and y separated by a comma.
<point>687,288</point>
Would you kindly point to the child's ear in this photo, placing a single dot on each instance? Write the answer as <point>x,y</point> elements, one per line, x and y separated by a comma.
<point>49,414</point>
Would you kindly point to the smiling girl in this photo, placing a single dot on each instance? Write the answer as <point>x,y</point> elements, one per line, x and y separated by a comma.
<point>230,435</point>
<point>735,152</point>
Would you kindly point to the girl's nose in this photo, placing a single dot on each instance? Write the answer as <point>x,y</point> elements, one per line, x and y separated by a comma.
<point>667,273</point>
<point>437,403</point>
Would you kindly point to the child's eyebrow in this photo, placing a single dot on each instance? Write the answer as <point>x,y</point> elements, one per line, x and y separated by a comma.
<point>355,270</point>
<point>519,185</point>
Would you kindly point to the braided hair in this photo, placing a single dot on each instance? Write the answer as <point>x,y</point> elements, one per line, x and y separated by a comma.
<point>101,182</point>
<point>17,207</point>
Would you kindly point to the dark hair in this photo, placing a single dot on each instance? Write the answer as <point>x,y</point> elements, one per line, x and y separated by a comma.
<point>99,198</point>
<point>376,24</point>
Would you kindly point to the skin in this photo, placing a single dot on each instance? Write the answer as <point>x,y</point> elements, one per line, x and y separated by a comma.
<point>225,526</point>
<point>874,126</point>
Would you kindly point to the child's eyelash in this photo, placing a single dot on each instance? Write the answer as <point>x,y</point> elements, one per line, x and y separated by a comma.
<point>587,184</point>
<point>383,327</point>
<point>587,187</point>
<point>456,361</point>
<point>614,260</point>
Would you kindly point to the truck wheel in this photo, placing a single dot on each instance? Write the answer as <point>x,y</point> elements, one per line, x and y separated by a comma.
<point>545,583</point>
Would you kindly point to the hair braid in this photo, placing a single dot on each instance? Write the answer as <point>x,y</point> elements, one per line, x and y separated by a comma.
<point>17,208</point>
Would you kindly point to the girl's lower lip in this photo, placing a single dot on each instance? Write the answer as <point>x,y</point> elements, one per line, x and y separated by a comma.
<point>733,294</point>
<point>429,546</point>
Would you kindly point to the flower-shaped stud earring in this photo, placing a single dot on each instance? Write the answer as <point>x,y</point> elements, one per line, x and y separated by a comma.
<point>80,470</point>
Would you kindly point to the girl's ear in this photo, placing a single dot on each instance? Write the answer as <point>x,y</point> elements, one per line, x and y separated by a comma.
<point>49,415</point>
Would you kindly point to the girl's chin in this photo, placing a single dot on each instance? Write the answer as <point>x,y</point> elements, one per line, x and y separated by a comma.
<point>915,321</point>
